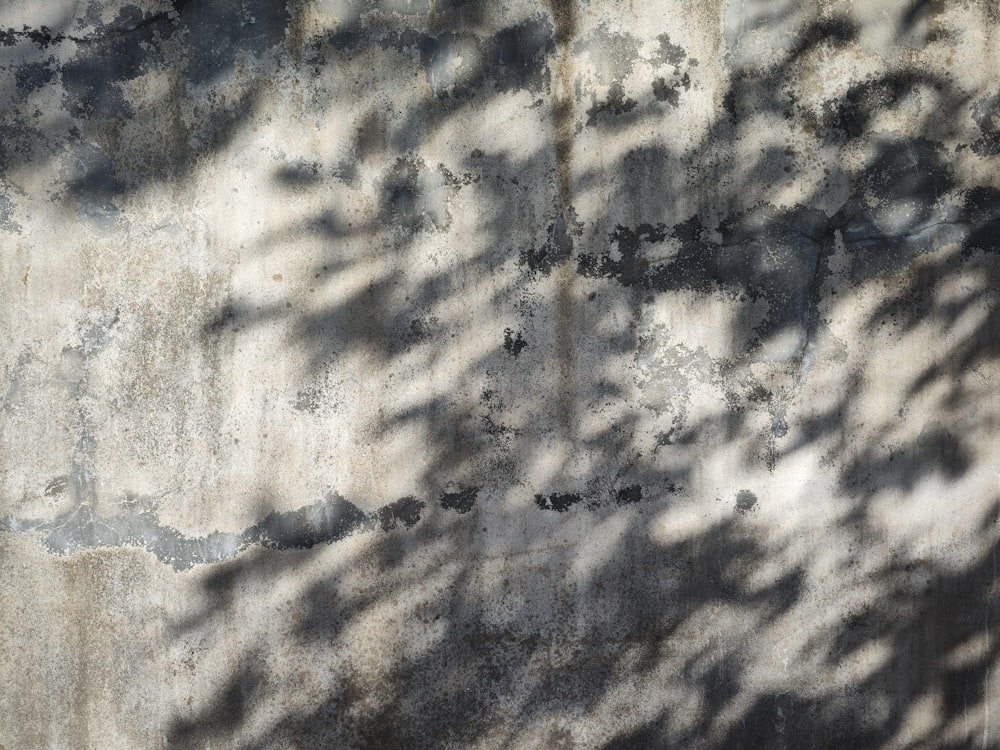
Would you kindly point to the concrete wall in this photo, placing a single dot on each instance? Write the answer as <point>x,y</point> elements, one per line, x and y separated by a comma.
<point>453,374</point>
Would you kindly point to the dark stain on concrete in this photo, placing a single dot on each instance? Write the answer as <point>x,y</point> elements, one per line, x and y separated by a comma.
<point>414,195</point>
<point>32,76</point>
<point>984,114</point>
<point>513,342</point>
<point>405,512</point>
<point>7,223</point>
<point>557,502</point>
<point>670,92</point>
<point>57,486</point>
<point>422,329</point>
<point>557,247</point>
<point>461,501</point>
<point>617,103</point>
<point>564,15</point>
<point>93,185</point>
<point>513,59</point>
<point>629,495</point>
<point>323,522</point>
<point>669,53</point>
<point>746,501</point>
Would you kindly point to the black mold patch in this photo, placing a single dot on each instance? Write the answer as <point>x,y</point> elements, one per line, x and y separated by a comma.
<point>670,53</point>
<point>765,253</point>
<point>405,511</point>
<point>557,248</point>
<point>324,522</point>
<point>746,501</point>
<point>629,495</point>
<point>460,502</point>
<point>32,76</point>
<point>616,104</point>
<point>557,502</point>
<point>513,343</point>
<point>42,37</point>
<point>327,521</point>
<point>666,93</point>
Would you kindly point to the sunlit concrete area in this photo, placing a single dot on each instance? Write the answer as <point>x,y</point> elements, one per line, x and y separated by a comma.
<point>571,375</point>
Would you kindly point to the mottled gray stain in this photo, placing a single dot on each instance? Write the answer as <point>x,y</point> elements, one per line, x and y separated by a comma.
<point>415,197</point>
<point>513,342</point>
<point>323,522</point>
<point>746,501</point>
<point>765,253</point>
<point>984,113</point>
<point>459,64</point>
<point>93,183</point>
<point>7,223</point>
<point>559,502</point>
<point>461,501</point>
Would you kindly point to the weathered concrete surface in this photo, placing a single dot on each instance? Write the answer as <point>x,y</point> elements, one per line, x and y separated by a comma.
<point>408,374</point>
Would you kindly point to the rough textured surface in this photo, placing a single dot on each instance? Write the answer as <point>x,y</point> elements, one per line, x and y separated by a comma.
<point>437,373</point>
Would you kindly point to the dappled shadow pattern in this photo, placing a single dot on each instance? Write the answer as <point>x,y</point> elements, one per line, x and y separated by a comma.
<point>579,562</point>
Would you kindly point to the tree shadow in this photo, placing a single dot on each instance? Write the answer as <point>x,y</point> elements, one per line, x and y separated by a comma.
<point>561,573</point>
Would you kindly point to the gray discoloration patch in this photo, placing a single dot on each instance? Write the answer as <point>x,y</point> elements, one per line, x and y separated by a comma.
<point>218,34</point>
<point>557,247</point>
<point>558,502</point>
<point>612,54</point>
<point>460,64</point>
<point>7,223</point>
<point>617,103</point>
<point>984,113</point>
<point>461,501</point>
<point>670,92</point>
<point>57,486</point>
<point>324,522</point>
<point>513,342</point>
<point>765,253</point>
<point>670,53</point>
<point>746,501</point>
<point>93,183</point>
<point>415,197</point>
<point>629,495</point>
<point>32,76</point>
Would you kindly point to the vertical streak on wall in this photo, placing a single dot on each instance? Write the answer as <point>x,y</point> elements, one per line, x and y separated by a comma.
<point>564,20</point>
